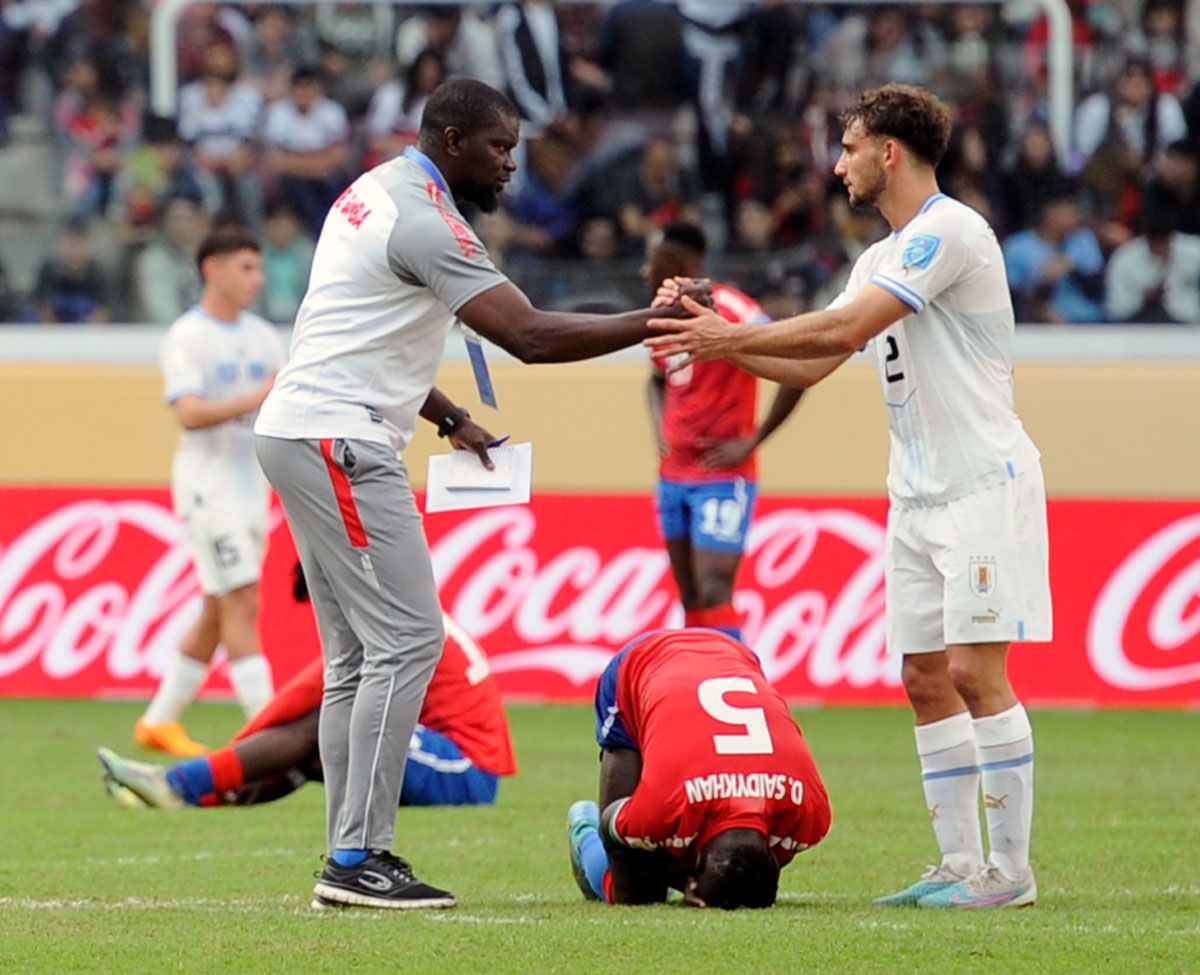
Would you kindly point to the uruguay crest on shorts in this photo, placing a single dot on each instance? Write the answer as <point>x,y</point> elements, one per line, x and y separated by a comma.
<point>981,576</point>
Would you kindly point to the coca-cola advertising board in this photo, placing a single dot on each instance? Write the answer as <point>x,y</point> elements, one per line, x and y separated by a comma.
<point>96,589</point>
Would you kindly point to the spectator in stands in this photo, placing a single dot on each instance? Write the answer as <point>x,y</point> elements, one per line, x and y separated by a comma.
<point>156,169</point>
<point>70,285</point>
<point>779,173</point>
<point>101,30</point>
<point>1175,187</point>
<point>394,117</point>
<point>1155,278</point>
<point>95,125</point>
<point>307,139</point>
<point>1120,133</point>
<point>851,232</point>
<point>876,45</point>
<point>278,46</point>
<point>712,40</point>
<point>543,82</point>
<point>653,195</point>
<point>641,47</point>
<point>287,258</point>
<point>1033,179</point>
<point>1056,269</point>
<point>166,279</point>
<point>1164,39</point>
<point>218,119</point>
<point>463,39</point>
<point>203,26</point>
<point>543,211</point>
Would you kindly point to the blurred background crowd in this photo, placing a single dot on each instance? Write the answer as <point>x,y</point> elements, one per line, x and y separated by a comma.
<point>635,113</point>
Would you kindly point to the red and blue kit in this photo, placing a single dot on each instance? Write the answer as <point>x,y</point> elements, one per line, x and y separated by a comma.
<point>719,748</point>
<point>462,703</point>
<point>715,400</point>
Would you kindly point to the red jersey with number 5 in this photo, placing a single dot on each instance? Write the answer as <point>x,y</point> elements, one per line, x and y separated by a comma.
<point>714,400</point>
<point>720,749</point>
<point>462,702</point>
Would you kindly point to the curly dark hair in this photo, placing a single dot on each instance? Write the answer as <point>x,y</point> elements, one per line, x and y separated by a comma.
<point>916,117</point>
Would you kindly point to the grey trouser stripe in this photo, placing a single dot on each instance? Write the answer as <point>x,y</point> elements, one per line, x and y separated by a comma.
<point>379,619</point>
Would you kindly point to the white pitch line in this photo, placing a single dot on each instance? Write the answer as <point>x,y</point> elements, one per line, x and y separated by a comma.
<point>174,858</point>
<point>258,905</point>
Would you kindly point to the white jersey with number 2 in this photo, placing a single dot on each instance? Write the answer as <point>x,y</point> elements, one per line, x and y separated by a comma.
<point>945,368</point>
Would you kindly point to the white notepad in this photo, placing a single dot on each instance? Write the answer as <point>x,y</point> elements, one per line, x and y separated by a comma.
<point>459,480</point>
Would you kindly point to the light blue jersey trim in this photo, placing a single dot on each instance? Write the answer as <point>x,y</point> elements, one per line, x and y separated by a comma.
<point>1007,763</point>
<point>950,773</point>
<point>1012,471</point>
<point>931,201</point>
<point>1020,629</point>
<point>905,294</point>
<point>223,322</point>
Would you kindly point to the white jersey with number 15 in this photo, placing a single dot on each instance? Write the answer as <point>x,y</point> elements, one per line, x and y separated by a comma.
<point>945,368</point>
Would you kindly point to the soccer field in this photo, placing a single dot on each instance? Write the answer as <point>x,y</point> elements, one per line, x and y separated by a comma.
<point>88,887</point>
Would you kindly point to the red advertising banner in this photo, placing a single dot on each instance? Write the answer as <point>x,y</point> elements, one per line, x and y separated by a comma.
<point>96,588</point>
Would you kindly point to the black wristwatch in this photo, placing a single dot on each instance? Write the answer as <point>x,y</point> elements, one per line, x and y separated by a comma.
<point>452,421</point>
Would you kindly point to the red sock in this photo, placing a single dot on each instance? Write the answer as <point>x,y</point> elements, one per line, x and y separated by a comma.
<point>693,617</point>
<point>227,774</point>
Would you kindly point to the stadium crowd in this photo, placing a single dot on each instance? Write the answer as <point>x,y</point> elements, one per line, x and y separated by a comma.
<point>635,113</point>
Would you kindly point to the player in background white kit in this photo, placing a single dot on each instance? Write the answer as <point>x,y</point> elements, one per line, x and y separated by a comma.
<point>967,563</point>
<point>218,362</point>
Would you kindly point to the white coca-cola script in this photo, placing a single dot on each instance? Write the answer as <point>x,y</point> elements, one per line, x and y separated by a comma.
<point>1174,618</point>
<point>567,611</point>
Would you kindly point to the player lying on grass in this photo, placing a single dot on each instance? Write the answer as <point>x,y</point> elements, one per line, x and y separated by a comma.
<point>706,782</point>
<point>459,751</point>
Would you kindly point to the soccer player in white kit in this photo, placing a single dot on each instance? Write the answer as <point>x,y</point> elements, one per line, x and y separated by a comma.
<point>218,363</point>
<point>967,561</point>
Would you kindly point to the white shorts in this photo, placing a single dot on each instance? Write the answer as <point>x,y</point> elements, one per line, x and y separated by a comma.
<point>227,550</point>
<point>974,570</point>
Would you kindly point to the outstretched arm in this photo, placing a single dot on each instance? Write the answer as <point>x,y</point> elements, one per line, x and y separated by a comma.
<point>830,333</point>
<point>797,373</point>
<point>505,316</point>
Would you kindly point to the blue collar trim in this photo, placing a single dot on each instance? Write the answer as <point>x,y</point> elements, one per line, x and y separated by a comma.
<point>427,164</point>
<point>930,202</point>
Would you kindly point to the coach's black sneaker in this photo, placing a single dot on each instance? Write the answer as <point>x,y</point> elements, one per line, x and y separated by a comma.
<point>381,880</point>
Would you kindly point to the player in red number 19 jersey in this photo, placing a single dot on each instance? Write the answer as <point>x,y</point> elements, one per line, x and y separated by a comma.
<point>705,423</point>
<point>707,784</point>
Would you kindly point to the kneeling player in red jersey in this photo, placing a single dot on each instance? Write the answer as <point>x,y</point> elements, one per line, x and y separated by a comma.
<point>459,751</point>
<point>706,783</point>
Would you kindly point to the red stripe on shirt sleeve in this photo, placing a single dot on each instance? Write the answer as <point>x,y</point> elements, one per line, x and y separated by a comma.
<point>345,500</point>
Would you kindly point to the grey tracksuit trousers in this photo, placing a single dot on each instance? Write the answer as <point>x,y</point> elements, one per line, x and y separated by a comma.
<point>363,548</point>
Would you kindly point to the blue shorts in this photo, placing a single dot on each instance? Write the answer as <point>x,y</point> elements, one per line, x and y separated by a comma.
<point>610,729</point>
<point>715,515</point>
<point>439,774</point>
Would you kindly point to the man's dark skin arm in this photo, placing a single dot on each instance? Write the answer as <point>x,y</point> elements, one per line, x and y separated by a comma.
<point>468,436</point>
<point>505,316</point>
<point>638,876</point>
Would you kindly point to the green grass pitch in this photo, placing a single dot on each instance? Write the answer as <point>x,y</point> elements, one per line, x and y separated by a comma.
<point>88,887</point>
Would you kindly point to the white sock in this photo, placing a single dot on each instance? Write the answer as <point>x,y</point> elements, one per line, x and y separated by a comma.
<point>251,679</point>
<point>177,689</point>
<point>950,775</point>
<point>1006,761</point>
